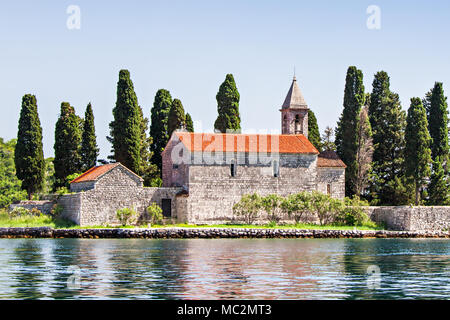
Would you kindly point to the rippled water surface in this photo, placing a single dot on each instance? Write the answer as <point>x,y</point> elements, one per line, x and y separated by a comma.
<point>225,269</point>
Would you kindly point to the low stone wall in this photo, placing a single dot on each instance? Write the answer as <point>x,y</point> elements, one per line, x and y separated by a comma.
<point>43,206</point>
<point>189,233</point>
<point>436,218</point>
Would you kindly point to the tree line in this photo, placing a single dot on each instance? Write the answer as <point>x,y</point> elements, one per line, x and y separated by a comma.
<point>393,157</point>
<point>133,143</point>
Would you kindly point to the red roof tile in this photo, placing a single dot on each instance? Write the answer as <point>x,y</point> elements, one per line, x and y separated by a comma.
<point>330,159</point>
<point>267,143</point>
<point>95,172</point>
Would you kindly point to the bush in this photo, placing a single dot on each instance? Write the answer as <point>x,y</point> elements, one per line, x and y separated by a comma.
<point>126,215</point>
<point>248,207</point>
<point>352,213</point>
<point>155,213</point>
<point>56,210</point>
<point>295,205</point>
<point>272,205</point>
<point>36,212</point>
<point>18,212</point>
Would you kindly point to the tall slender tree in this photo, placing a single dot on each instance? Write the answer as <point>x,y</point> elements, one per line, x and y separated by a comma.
<point>388,122</point>
<point>89,149</point>
<point>438,123</point>
<point>159,128</point>
<point>125,129</point>
<point>147,170</point>
<point>347,129</point>
<point>189,123</point>
<point>418,141</point>
<point>313,131</point>
<point>29,156</point>
<point>67,145</point>
<point>364,152</point>
<point>177,118</point>
<point>439,187</point>
<point>228,106</point>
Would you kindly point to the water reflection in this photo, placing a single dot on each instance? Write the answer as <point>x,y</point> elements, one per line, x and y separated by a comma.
<point>224,268</point>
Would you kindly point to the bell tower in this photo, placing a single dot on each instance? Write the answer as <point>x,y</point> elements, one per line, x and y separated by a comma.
<point>294,112</point>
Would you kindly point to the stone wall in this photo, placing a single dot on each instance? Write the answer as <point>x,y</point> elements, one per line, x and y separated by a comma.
<point>43,206</point>
<point>436,218</point>
<point>71,204</point>
<point>335,177</point>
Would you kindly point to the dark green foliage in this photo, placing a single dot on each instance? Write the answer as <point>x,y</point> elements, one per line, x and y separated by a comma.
<point>177,118</point>
<point>67,145</point>
<point>313,131</point>
<point>10,185</point>
<point>347,129</point>
<point>388,122</point>
<point>228,106</point>
<point>438,123</point>
<point>439,187</point>
<point>125,129</point>
<point>147,170</point>
<point>418,142</point>
<point>29,154</point>
<point>89,149</point>
<point>189,123</point>
<point>159,126</point>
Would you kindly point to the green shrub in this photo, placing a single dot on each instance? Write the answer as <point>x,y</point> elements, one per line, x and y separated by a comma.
<point>36,212</point>
<point>56,211</point>
<point>126,216</point>
<point>295,205</point>
<point>248,207</point>
<point>155,213</point>
<point>272,206</point>
<point>18,212</point>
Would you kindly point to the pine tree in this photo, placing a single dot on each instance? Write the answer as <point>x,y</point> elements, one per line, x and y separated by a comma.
<point>89,149</point>
<point>347,129</point>
<point>159,126</point>
<point>418,141</point>
<point>189,123</point>
<point>228,106</point>
<point>438,123</point>
<point>388,122</point>
<point>313,131</point>
<point>67,145</point>
<point>147,169</point>
<point>125,129</point>
<point>439,187</point>
<point>29,156</point>
<point>327,140</point>
<point>177,118</point>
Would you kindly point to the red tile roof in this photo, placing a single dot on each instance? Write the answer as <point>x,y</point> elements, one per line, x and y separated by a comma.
<point>330,159</point>
<point>95,172</point>
<point>221,142</point>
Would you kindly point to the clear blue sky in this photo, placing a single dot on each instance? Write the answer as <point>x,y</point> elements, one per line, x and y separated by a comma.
<point>188,47</point>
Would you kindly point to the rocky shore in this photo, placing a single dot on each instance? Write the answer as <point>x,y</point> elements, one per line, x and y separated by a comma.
<point>189,233</point>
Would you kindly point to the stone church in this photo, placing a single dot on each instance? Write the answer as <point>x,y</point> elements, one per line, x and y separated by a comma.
<point>204,174</point>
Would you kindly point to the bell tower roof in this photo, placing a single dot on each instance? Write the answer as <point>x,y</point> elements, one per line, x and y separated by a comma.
<point>294,98</point>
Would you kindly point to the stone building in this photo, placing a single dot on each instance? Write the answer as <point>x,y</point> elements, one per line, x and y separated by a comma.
<point>205,174</point>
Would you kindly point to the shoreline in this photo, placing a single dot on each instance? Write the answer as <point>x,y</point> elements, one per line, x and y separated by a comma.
<point>209,233</point>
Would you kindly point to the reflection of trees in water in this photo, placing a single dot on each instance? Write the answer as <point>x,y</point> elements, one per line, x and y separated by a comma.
<point>28,262</point>
<point>148,268</point>
<point>408,268</point>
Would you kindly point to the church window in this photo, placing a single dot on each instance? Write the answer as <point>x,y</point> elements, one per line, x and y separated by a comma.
<point>329,189</point>
<point>276,168</point>
<point>233,168</point>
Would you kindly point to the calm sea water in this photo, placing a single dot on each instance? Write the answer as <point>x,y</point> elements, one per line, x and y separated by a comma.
<point>225,269</point>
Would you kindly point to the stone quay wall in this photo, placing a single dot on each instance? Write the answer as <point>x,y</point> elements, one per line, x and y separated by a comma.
<point>210,233</point>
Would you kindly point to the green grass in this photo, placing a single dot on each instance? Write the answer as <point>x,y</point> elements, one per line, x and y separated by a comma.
<point>48,221</point>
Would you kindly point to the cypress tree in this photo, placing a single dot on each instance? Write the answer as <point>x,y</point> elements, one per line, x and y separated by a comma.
<point>89,149</point>
<point>29,156</point>
<point>418,141</point>
<point>159,128</point>
<point>228,106</point>
<point>177,118</point>
<point>439,187</point>
<point>347,129</point>
<point>189,123</point>
<point>438,123</point>
<point>67,145</point>
<point>313,131</point>
<point>388,122</point>
<point>147,170</point>
<point>125,129</point>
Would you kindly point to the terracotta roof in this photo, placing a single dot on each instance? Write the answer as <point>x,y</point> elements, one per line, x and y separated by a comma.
<point>283,143</point>
<point>330,159</point>
<point>294,98</point>
<point>95,173</point>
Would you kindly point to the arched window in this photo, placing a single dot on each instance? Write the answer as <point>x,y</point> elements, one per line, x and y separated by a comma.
<point>297,124</point>
<point>285,124</point>
<point>233,168</point>
<point>329,189</point>
<point>275,168</point>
